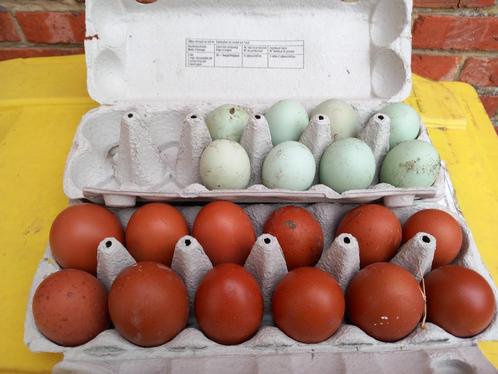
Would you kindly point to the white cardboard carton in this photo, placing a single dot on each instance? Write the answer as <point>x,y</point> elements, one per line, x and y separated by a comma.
<point>164,61</point>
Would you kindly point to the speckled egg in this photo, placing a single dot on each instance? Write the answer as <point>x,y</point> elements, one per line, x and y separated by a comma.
<point>227,122</point>
<point>347,164</point>
<point>287,120</point>
<point>413,163</point>
<point>225,165</point>
<point>405,123</point>
<point>344,121</point>
<point>289,165</point>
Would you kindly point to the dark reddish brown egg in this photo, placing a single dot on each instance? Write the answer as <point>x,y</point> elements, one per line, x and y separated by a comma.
<point>308,305</point>
<point>225,232</point>
<point>459,300</point>
<point>70,307</point>
<point>76,233</point>
<point>385,301</point>
<point>443,227</point>
<point>229,304</point>
<point>377,230</point>
<point>153,231</point>
<point>299,234</point>
<point>148,304</point>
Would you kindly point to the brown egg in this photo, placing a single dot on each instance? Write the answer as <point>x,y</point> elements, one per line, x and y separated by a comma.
<point>459,300</point>
<point>153,231</point>
<point>225,232</point>
<point>70,307</point>
<point>385,301</point>
<point>229,304</point>
<point>377,230</point>
<point>308,305</point>
<point>148,304</point>
<point>299,234</point>
<point>443,227</point>
<point>76,233</point>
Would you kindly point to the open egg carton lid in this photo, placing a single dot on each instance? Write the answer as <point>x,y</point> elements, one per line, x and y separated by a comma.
<point>179,57</point>
<point>349,350</point>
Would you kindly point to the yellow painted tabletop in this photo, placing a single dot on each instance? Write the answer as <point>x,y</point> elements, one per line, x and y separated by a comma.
<point>41,103</point>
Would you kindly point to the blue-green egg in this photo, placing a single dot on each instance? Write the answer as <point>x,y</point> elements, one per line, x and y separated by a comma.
<point>227,122</point>
<point>287,120</point>
<point>405,123</point>
<point>413,163</point>
<point>344,120</point>
<point>289,165</point>
<point>347,164</point>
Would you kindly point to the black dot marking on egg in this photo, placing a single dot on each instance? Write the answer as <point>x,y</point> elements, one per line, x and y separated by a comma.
<point>188,242</point>
<point>426,239</point>
<point>193,116</point>
<point>130,115</point>
<point>321,118</point>
<point>267,240</point>
<point>232,110</point>
<point>108,244</point>
<point>257,116</point>
<point>347,240</point>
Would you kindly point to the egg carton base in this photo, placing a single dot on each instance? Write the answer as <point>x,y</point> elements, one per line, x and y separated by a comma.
<point>464,360</point>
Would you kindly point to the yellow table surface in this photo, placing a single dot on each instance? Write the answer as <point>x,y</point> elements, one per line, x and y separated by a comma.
<point>41,103</point>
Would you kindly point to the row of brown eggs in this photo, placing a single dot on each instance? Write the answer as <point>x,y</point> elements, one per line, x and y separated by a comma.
<point>148,302</point>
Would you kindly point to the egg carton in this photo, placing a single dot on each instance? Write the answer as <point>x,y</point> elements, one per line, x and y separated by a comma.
<point>121,156</point>
<point>205,53</point>
<point>266,262</point>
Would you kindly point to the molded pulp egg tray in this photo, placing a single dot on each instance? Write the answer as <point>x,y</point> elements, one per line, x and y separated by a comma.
<point>163,62</point>
<point>340,258</point>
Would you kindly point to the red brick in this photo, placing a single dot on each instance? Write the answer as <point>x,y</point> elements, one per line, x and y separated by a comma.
<point>10,53</point>
<point>436,67</point>
<point>490,104</point>
<point>52,27</point>
<point>8,31</point>
<point>454,32</point>
<point>453,3</point>
<point>480,71</point>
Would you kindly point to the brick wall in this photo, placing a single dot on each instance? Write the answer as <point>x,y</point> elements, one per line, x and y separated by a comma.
<point>452,39</point>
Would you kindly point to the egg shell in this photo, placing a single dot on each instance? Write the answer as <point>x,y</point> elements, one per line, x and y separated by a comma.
<point>289,165</point>
<point>153,231</point>
<point>148,304</point>
<point>405,123</point>
<point>227,122</point>
<point>225,164</point>
<point>347,164</point>
<point>308,305</point>
<point>385,301</point>
<point>459,300</point>
<point>344,120</point>
<point>443,227</point>
<point>229,304</point>
<point>76,233</point>
<point>413,163</point>
<point>287,120</point>
<point>70,307</point>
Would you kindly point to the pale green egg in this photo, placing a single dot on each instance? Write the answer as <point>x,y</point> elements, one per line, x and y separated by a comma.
<point>225,164</point>
<point>289,165</point>
<point>405,123</point>
<point>413,163</point>
<point>287,120</point>
<point>227,122</point>
<point>347,164</point>
<point>344,121</point>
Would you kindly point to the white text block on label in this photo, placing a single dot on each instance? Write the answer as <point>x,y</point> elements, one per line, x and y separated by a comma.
<point>234,53</point>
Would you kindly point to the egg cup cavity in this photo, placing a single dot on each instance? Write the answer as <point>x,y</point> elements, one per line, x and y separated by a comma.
<point>266,262</point>
<point>121,160</point>
<point>397,85</point>
<point>388,21</point>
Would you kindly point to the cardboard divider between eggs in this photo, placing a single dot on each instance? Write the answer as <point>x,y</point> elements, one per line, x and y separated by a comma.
<point>266,262</point>
<point>121,156</point>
